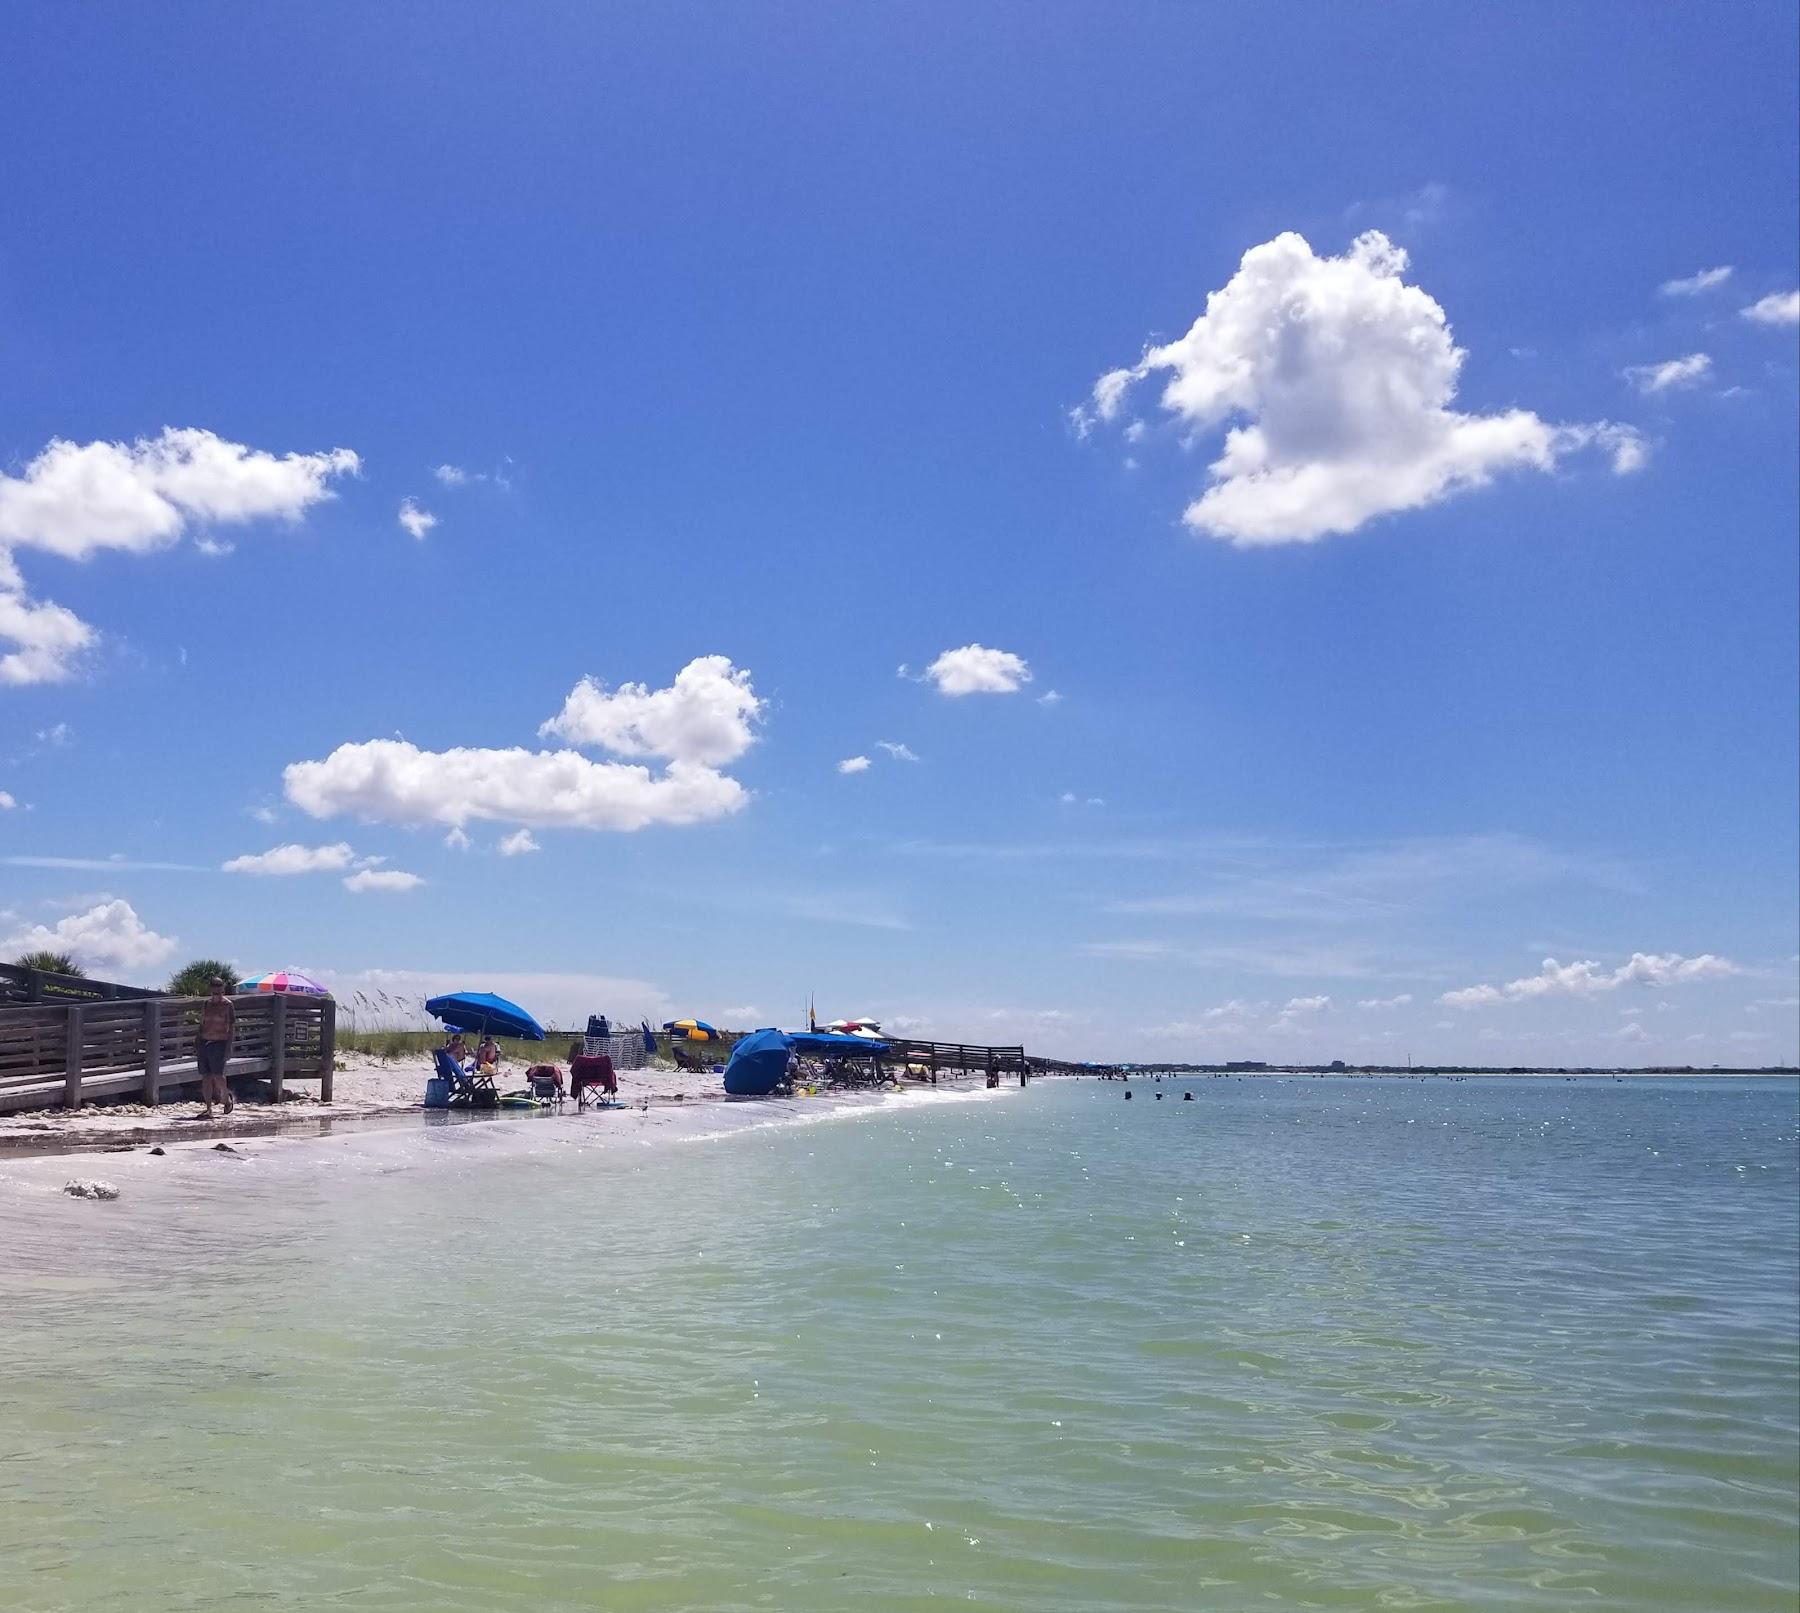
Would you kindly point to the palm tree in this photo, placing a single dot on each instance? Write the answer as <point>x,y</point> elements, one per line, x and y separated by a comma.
<point>194,979</point>
<point>52,963</point>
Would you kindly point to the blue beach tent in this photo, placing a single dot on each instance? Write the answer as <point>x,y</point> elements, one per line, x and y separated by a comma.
<point>759,1064</point>
<point>479,1012</point>
<point>829,1044</point>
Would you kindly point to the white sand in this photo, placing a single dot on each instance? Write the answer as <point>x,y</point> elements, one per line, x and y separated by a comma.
<point>364,1085</point>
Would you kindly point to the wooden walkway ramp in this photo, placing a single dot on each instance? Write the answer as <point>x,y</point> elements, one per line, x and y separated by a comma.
<point>54,1053</point>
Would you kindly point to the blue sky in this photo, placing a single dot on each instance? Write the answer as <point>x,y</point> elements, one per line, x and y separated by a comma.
<point>767,341</point>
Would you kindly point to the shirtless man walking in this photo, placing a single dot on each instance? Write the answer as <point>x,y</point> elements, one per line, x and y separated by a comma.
<point>218,1021</point>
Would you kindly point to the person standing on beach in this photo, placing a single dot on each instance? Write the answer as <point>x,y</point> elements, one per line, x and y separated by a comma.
<point>218,1023</point>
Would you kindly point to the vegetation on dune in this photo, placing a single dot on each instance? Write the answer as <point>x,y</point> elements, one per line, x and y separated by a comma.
<point>55,963</point>
<point>196,978</point>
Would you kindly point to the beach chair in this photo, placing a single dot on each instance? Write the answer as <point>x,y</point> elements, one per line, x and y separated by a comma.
<point>476,1090</point>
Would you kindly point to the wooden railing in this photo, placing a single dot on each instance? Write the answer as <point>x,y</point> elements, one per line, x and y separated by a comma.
<point>965,1057</point>
<point>52,1054</point>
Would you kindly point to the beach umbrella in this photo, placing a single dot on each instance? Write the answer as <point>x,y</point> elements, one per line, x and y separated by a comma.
<point>695,1030</point>
<point>483,1012</point>
<point>288,980</point>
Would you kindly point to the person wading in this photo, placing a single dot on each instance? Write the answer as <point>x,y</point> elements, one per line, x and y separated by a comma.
<point>218,1022</point>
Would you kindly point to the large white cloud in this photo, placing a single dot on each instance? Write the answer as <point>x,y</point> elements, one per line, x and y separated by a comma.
<point>76,499</point>
<point>1778,308</point>
<point>293,859</point>
<point>709,715</point>
<point>47,640</point>
<point>1339,377</point>
<point>392,781</point>
<point>108,935</point>
<point>975,669</point>
<point>1587,978</point>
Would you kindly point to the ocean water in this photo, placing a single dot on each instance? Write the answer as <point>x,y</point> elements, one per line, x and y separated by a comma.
<point>1508,1344</point>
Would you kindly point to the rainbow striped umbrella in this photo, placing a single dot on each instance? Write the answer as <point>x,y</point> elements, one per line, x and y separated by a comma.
<point>290,980</point>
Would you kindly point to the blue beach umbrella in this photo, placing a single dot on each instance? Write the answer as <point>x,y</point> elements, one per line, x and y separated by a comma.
<point>759,1064</point>
<point>482,1012</point>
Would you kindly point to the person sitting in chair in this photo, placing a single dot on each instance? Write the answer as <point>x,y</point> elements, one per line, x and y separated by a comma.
<point>487,1056</point>
<point>458,1049</point>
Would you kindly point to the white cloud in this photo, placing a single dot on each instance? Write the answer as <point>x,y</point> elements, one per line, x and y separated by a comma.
<point>1694,284</point>
<point>382,879</point>
<point>900,752</point>
<point>1586,978</point>
<point>214,548</point>
<point>451,475</point>
<point>393,781</point>
<point>107,936</point>
<point>117,863</point>
<point>708,716</point>
<point>294,859</point>
<point>48,640</point>
<point>519,844</point>
<point>1050,697</point>
<point>854,764</point>
<point>1385,1002</point>
<point>1673,373</point>
<point>415,520</point>
<point>7,801</point>
<point>1306,1005</point>
<point>1778,308</point>
<point>975,669</point>
<point>263,814</point>
<point>76,499</point>
<point>458,840</point>
<point>1341,377</point>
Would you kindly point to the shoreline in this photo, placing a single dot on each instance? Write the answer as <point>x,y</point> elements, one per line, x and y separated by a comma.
<point>370,1094</point>
<point>384,1094</point>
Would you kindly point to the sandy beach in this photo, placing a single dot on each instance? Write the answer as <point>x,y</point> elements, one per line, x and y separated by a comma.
<point>365,1088</point>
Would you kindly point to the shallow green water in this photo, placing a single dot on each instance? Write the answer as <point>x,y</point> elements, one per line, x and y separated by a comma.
<point>1334,1344</point>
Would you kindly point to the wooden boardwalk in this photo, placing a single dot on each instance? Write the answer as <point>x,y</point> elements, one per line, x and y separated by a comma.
<point>67,1054</point>
<point>955,1057</point>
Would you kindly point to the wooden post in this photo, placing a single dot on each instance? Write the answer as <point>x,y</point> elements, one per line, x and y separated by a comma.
<point>327,1047</point>
<point>152,1050</point>
<point>278,1047</point>
<point>72,1063</point>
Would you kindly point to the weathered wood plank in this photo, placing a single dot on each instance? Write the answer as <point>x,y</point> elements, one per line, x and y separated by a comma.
<point>152,1034</point>
<point>72,1063</point>
<point>278,1046</point>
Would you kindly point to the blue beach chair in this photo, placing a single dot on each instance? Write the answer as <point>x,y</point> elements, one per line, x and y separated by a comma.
<point>476,1090</point>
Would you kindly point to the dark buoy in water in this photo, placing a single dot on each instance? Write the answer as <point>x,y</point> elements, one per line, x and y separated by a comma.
<point>1187,1097</point>
<point>1128,1097</point>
